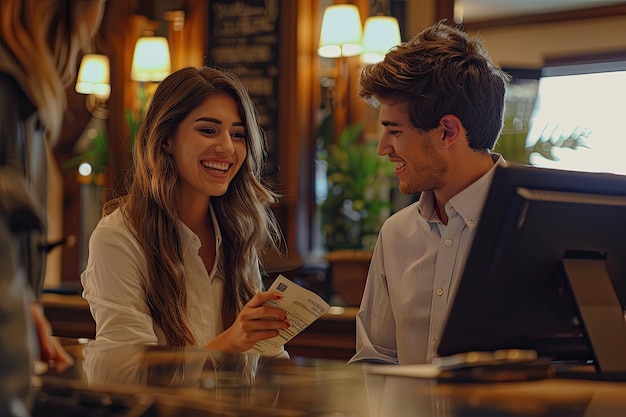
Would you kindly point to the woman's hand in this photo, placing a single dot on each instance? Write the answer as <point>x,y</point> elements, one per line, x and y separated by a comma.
<point>255,322</point>
<point>51,352</point>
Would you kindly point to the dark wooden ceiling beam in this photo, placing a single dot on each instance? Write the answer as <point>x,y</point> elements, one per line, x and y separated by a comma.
<point>550,17</point>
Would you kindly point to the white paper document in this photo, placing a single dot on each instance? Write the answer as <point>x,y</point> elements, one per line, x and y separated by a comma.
<point>302,306</point>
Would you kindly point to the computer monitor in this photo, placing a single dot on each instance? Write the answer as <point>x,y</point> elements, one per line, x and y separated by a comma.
<point>546,270</point>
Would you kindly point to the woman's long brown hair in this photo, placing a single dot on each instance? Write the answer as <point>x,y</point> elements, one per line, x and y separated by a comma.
<point>247,224</point>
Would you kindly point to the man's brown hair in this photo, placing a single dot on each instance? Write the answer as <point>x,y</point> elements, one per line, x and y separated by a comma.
<point>441,70</point>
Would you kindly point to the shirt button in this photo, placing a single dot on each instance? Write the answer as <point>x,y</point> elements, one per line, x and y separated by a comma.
<point>471,223</point>
<point>439,291</point>
<point>448,242</point>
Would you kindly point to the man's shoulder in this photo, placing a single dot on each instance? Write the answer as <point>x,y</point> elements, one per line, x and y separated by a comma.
<point>400,217</point>
<point>410,210</point>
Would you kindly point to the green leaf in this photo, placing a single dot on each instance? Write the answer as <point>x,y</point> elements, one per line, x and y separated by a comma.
<point>358,181</point>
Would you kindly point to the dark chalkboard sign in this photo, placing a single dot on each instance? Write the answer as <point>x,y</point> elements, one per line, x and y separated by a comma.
<point>243,37</point>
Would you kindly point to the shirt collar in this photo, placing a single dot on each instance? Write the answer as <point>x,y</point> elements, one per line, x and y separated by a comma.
<point>188,237</point>
<point>468,203</point>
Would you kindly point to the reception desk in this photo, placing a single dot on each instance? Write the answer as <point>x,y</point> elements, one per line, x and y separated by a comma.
<point>69,315</point>
<point>144,381</point>
<point>332,336</point>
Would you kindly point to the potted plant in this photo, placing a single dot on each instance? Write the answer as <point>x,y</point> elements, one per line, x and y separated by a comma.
<point>357,199</point>
<point>356,203</point>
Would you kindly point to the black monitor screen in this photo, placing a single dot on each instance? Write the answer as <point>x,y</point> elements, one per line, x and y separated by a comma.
<point>550,250</point>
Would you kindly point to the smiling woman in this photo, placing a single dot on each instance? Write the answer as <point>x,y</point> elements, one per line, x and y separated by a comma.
<point>208,152</point>
<point>188,235</point>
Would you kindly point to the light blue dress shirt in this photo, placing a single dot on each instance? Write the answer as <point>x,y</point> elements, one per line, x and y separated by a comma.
<point>415,267</point>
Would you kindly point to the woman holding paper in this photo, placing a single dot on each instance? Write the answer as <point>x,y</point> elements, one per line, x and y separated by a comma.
<point>176,260</point>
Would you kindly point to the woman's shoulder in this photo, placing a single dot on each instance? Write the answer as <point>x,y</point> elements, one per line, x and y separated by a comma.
<point>113,226</point>
<point>114,220</point>
<point>113,236</point>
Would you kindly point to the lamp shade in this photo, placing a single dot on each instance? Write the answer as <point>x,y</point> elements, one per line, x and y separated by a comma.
<point>93,76</point>
<point>381,33</point>
<point>341,31</point>
<point>151,60</point>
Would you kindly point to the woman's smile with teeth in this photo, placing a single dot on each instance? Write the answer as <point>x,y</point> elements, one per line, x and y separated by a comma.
<point>219,166</point>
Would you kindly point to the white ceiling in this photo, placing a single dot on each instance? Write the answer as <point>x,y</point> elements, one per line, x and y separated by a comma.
<point>491,9</point>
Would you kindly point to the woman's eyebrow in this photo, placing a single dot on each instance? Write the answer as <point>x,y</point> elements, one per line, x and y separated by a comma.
<point>217,121</point>
<point>208,119</point>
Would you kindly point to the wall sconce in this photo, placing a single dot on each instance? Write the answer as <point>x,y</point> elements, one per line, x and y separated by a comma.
<point>151,59</point>
<point>381,33</point>
<point>93,80</point>
<point>151,64</point>
<point>92,147</point>
<point>341,32</point>
<point>340,37</point>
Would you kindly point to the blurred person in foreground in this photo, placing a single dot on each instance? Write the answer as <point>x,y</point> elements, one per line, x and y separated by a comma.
<point>40,42</point>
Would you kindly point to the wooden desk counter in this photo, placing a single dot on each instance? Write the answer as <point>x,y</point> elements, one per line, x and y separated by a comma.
<point>68,315</point>
<point>200,383</point>
<point>332,336</point>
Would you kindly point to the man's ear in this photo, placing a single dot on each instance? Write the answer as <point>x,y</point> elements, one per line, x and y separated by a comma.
<point>452,128</point>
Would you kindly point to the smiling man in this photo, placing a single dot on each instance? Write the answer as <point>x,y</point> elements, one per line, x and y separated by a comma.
<point>441,103</point>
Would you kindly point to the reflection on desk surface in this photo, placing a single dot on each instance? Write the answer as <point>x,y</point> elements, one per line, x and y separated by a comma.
<point>193,382</point>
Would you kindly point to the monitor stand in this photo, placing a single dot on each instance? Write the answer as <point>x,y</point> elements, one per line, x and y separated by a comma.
<point>601,314</point>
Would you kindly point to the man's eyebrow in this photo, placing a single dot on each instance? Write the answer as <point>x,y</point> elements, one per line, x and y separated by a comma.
<point>217,121</point>
<point>389,123</point>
